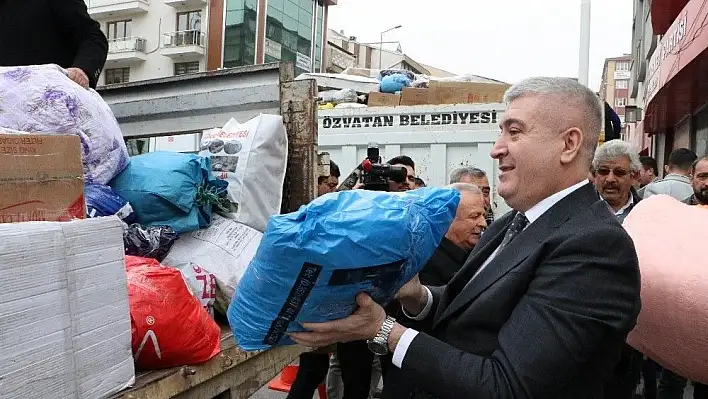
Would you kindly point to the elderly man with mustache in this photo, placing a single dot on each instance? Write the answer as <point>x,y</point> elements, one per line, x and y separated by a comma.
<point>616,168</point>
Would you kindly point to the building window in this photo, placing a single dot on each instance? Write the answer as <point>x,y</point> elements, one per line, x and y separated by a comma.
<point>620,102</point>
<point>622,84</point>
<point>119,29</point>
<point>700,136</point>
<point>622,66</point>
<point>117,75</point>
<point>183,68</point>
<point>240,31</point>
<point>189,20</point>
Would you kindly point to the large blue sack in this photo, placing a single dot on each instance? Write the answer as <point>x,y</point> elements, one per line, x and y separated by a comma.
<point>311,263</point>
<point>170,189</point>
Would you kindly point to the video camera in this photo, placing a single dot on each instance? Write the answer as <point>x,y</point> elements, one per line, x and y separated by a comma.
<point>375,174</point>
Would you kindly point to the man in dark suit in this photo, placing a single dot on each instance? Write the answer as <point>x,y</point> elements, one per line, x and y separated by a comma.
<point>58,32</point>
<point>545,301</point>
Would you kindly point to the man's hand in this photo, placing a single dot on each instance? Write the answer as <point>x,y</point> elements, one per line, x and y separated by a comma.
<point>363,324</point>
<point>413,296</point>
<point>78,76</point>
<point>358,186</point>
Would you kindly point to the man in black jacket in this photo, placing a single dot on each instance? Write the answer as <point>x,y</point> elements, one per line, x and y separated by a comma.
<point>544,303</point>
<point>61,32</point>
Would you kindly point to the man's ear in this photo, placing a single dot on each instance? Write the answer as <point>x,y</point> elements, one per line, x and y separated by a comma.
<point>666,169</point>
<point>572,144</point>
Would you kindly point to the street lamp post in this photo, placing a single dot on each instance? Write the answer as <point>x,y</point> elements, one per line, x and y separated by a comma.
<point>584,57</point>
<point>381,42</point>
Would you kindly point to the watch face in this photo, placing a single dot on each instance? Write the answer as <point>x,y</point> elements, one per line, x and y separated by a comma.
<point>377,348</point>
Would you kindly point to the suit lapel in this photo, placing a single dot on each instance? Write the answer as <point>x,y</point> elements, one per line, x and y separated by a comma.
<point>519,249</point>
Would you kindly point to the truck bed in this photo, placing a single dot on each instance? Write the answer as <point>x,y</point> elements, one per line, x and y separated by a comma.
<point>231,374</point>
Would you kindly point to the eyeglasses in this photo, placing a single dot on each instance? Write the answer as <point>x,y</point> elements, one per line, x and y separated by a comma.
<point>618,172</point>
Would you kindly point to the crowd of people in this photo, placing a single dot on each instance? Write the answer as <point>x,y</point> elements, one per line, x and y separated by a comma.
<point>538,320</point>
<point>623,178</point>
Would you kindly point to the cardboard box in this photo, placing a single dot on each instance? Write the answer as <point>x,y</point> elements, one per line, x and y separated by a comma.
<point>41,178</point>
<point>414,96</point>
<point>377,99</point>
<point>64,310</point>
<point>466,92</point>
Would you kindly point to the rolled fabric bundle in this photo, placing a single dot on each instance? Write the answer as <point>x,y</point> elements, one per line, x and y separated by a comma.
<point>672,328</point>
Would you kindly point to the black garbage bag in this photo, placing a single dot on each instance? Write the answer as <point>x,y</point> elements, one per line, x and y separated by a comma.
<point>148,241</point>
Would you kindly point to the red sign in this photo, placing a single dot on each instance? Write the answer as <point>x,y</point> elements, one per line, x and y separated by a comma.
<point>683,42</point>
<point>171,139</point>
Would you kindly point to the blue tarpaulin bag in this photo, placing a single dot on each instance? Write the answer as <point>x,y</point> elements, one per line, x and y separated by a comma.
<point>171,189</point>
<point>311,263</point>
<point>103,201</point>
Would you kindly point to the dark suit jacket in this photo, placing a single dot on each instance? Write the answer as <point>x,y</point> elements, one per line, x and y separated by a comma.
<point>51,32</point>
<point>546,318</point>
<point>447,260</point>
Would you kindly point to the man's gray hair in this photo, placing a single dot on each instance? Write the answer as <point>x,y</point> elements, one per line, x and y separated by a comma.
<point>458,174</point>
<point>577,94</point>
<point>614,149</point>
<point>465,188</point>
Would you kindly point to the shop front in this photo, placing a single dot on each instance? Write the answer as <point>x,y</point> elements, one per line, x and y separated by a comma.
<point>676,90</point>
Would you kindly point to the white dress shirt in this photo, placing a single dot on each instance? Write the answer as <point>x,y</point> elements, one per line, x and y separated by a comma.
<point>532,215</point>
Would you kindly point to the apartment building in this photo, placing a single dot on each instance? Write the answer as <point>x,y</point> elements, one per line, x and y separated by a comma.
<point>668,84</point>
<point>151,38</point>
<point>614,86</point>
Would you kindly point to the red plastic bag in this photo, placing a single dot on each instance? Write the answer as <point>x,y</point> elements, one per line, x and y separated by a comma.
<point>170,327</point>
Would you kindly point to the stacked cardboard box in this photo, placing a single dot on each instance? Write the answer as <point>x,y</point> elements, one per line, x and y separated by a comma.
<point>41,178</point>
<point>64,315</point>
<point>442,93</point>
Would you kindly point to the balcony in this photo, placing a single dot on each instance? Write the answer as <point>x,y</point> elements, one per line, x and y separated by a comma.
<point>126,51</point>
<point>180,4</point>
<point>186,45</point>
<point>103,9</point>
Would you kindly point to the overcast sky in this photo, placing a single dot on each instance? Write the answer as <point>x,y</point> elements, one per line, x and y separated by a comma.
<point>501,39</point>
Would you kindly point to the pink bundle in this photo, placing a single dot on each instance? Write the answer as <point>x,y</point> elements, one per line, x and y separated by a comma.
<point>672,328</point>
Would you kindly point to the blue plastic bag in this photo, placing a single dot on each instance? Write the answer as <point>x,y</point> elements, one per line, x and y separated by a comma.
<point>394,83</point>
<point>311,263</point>
<point>103,201</point>
<point>171,189</point>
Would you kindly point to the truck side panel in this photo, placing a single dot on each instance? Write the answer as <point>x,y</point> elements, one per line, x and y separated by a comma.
<point>439,138</point>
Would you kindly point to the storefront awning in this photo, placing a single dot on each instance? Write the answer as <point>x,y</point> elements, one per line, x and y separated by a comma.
<point>676,84</point>
<point>663,14</point>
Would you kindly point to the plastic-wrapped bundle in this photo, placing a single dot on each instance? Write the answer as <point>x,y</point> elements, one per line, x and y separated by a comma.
<point>338,96</point>
<point>42,99</point>
<point>389,72</point>
<point>101,200</point>
<point>148,242</point>
<point>394,83</point>
<point>311,263</point>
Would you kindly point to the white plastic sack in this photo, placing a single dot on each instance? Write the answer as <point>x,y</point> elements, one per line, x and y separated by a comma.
<point>224,249</point>
<point>42,99</point>
<point>201,284</point>
<point>252,157</point>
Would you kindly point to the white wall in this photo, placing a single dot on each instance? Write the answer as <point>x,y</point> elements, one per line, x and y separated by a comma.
<point>160,19</point>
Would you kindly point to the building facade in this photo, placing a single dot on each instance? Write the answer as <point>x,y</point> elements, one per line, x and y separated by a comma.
<point>614,87</point>
<point>151,39</point>
<point>247,32</point>
<point>669,67</point>
<point>345,51</point>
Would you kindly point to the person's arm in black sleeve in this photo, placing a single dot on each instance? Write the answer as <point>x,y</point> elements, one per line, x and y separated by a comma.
<point>93,46</point>
<point>581,299</point>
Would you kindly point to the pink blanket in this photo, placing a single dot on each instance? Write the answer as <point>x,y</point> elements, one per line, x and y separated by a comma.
<point>671,240</point>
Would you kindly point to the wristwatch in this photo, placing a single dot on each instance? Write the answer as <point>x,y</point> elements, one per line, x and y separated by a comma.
<point>379,345</point>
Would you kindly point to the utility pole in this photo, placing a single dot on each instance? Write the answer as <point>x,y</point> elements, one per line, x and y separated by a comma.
<point>584,58</point>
